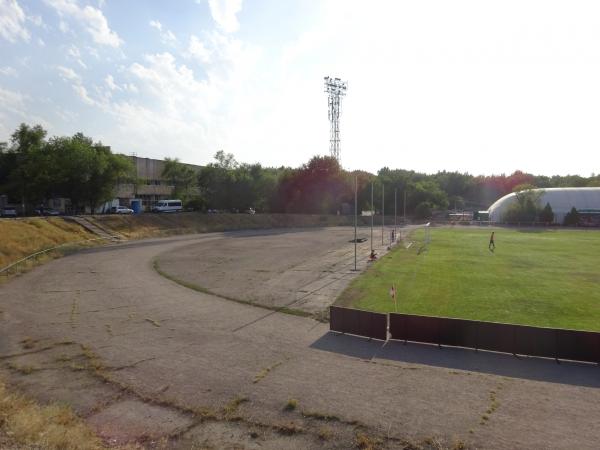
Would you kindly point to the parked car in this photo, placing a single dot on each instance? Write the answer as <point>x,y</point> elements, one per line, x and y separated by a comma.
<point>167,206</point>
<point>47,212</point>
<point>8,212</point>
<point>250,211</point>
<point>121,210</point>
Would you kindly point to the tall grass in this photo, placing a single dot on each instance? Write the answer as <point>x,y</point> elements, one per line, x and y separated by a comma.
<point>48,427</point>
<point>19,238</point>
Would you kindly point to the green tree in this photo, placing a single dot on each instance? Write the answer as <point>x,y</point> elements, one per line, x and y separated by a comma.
<point>25,179</point>
<point>572,217</point>
<point>423,210</point>
<point>526,207</point>
<point>181,176</point>
<point>546,215</point>
<point>85,172</point>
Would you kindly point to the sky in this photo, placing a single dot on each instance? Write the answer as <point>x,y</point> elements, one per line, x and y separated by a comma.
<point>484,87</point>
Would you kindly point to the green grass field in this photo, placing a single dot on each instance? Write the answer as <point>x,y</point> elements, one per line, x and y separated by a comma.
<point>543,278</point>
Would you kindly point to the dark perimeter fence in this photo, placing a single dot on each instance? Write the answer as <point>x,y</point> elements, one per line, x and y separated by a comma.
<point>500,337</point>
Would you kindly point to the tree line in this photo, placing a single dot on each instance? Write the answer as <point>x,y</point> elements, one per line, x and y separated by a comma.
<point>34,168</point>
<point>321,186</point>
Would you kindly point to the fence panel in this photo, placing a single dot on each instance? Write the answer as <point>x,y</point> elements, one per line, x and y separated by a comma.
<point>361,323</point>
<point>496,337</point>
<point>578,345</point>
<point>457,332</point>
<point>409,327</point>
<point>535,341</point>
<point>500,337</point>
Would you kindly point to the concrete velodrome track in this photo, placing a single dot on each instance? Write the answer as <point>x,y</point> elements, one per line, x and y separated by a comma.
<point>142,357</point>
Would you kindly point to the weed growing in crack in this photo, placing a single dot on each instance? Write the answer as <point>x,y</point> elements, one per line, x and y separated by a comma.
<point>325,433</point>
<point>366,442</point>
<point>321,416</point>
<point>232,407</point>
<point>291,404</point>
<point>24,370</point>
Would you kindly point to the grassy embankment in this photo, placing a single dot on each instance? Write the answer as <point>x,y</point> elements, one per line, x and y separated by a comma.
<point>156,225</point>
<point>22,237</point>
<point>544,278</point>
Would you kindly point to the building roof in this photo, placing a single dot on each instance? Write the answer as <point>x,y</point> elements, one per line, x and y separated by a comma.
<point>561,200</point>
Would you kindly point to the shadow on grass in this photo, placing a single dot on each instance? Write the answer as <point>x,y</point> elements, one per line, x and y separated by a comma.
<point>502,364</point>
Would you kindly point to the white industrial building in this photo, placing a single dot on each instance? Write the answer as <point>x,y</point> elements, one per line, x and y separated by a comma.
<point>585,199</point>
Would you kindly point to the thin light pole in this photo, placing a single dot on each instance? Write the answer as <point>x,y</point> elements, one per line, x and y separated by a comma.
<point>382,210</point>
<point>395,211</point>
<point>355,215</point>
<point>372,214</point>
<point>404,219</point>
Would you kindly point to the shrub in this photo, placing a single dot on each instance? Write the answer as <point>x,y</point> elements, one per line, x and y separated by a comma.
<point>572,217</point>
<point>546,214</point>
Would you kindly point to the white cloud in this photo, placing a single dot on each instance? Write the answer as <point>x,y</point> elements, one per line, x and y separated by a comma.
<point>92,19</point>
<point>166,36</point>
<point>12,101</point>
<point>93,52</point>
<point>82,93</point>
<point>9,71</point>
<point>12,21</point>
<point>110,82</point>
<point>36,20</point>
<point>74,53</point>
<point>41,42</point>
<point>63,26</point>
<point>224,13</point>
<point>14,105</point>
<point>223,57</point>
<point>68,74</point>
<point>198,50</point>
<point>131,88</point>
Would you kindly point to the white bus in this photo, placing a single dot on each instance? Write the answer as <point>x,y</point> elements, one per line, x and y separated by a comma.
<point>167,206</point>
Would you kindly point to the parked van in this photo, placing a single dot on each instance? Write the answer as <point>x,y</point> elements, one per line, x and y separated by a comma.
<point>167,206</point>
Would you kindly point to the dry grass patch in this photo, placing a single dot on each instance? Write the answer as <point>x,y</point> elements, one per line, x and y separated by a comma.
<point>28,343</point>
<point>47,427</point>
<point>22,369</point>
<point>321,416</point>
<point>26,236</point>
<point>263,373</point>
<point>232,407</point>
<point>325,433</point>
<point>288,429</point>
<point>366,442</point>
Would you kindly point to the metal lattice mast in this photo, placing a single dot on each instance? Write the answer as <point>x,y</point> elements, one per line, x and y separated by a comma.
<point>336,89</point>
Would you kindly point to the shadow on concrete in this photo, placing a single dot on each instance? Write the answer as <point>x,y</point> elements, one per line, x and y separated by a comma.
<point>502,364</point>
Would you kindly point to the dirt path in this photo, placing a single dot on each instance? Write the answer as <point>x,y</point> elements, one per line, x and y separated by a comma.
<point>143,358</point>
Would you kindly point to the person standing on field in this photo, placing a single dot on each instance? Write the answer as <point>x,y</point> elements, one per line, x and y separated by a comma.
<point>492,245</point>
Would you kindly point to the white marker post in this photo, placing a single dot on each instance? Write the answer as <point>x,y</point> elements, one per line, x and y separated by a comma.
<point>382,211</point>
<point>355,215</point>
<point>372,215</point>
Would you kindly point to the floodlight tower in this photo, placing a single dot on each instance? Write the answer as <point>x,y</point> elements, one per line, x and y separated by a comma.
<point>336,89</point>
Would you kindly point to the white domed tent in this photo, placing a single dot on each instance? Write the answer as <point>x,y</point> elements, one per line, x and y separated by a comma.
<point>561,200</point>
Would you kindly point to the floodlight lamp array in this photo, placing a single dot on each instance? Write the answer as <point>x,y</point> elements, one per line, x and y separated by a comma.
<point>335,86</point>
